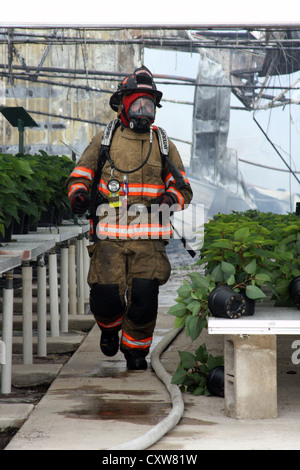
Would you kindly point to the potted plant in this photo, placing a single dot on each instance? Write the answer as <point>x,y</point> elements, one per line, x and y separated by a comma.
<point>29,184</point>
<point>14,174</point>
<point>200,373</point>
<point>252,254</point>
<point>286,275</point>
<point>239,255</point>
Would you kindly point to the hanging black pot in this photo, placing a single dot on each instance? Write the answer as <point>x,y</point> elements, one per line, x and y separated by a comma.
<point>215,381</point>
<point>223,302</point>
<point>294,289</point>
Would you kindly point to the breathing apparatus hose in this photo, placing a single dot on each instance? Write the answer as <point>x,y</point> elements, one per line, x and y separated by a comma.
<point>141,165</point>
<point>167,424</point>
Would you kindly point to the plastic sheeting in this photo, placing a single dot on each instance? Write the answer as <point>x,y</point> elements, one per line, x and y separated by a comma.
<point>211,161</point>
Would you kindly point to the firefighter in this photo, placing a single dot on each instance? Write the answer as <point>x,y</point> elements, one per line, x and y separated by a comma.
<point>136,192</point>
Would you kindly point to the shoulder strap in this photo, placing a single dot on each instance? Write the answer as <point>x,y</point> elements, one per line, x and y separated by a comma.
<point>105,145</point>
<point>109,131</point>
<point>163,141</point>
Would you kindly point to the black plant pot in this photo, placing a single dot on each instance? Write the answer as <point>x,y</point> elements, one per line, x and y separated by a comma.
<point>29,226</point>
<point>46,218</point>
<point>18,227</point>
<point>215,381</point>
<point>223,302</point>
<point>249,306</point>
<point>7,233</point>
<point>294,289</point>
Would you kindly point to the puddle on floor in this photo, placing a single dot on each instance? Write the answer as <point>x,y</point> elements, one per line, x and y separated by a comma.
<point>129,411</point>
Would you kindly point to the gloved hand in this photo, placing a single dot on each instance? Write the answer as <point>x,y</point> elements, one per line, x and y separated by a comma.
<point>161,206</point>
<point>80,202</point>
<point>165,198</point>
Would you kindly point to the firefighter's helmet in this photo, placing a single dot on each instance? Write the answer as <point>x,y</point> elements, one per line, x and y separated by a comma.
<point>141,80</point>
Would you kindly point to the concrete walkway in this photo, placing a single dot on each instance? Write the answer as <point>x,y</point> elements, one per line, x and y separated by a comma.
<point>96,404</point>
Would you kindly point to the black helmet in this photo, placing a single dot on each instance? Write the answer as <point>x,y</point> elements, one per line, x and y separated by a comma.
<point>140,80</point>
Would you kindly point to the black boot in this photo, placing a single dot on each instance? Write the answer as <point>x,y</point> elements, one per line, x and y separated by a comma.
<point>135,360</point>
<point>109,342</point>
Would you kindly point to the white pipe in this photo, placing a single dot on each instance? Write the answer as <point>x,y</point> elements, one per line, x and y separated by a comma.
<point>168,423</point>
<point>42,309</point>
<point>72,280</point>
<point>7,335</point>
<point>2,352</point>
<point>53,290</point>
<point>64,301</point>
<point>27,313</point>
<point>86,264</point>
<point>80,280</point>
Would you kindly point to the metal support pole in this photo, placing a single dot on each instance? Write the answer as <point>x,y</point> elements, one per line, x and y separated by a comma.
<point>53,288</point>
<point>86,264</point>
<point>72,280</point>
<point>64,297</point>
<point>42,307</point>
<point>27,312</point>
<point>7,334</point>
<point>21,135</point>
<point>79,265</point>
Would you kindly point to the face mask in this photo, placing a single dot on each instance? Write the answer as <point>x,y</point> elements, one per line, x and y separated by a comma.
<point>141,114</point>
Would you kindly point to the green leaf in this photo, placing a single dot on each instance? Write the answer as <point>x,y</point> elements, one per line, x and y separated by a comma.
<point>222,244</point>
<point>254,292</point>
<point>193,327</point>
<point>227,267</point>
<point>217,274</point>
<point>179,322</point>
<point>251,267</point>
<point>230,280</point>
<point>185,290</point>
<point>178,310</point>
<point>179,376</point>
<point>188,360</point>
<point>199,391</point>
<point>242,233</point>
<point>213,362</point>
<point>202,354</point>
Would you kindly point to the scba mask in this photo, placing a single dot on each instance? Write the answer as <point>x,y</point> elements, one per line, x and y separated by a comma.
<point>141,114</point>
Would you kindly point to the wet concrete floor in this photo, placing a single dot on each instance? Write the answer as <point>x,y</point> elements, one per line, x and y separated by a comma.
<point>95,403</point>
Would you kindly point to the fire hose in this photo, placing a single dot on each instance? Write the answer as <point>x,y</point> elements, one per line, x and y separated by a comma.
<point>167,424</point>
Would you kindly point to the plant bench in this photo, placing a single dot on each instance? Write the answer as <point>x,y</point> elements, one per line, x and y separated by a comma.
<point>250,358</point>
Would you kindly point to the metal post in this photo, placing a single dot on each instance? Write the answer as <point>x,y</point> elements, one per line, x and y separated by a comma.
<point>86,264</point>
<point>64,310</point>
<point>27,312</point>
<point>53,288</point>
<point>21,135</point>
<point>72,280</point>
<point>7,334</point>
<point>79,266</point>
<point>42,307</point>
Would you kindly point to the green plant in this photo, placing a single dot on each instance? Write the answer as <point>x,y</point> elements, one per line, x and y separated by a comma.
<point>254,253</point>
<point>193,369</point>
<point>30,184</point>
<point>287,260</point>
<point>239,255</point>
<point>14,176</point>
<point>191,308</point>
<point>261,249</point>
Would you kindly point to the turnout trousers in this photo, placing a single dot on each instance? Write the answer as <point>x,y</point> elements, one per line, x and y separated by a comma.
<point>124,279</point>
